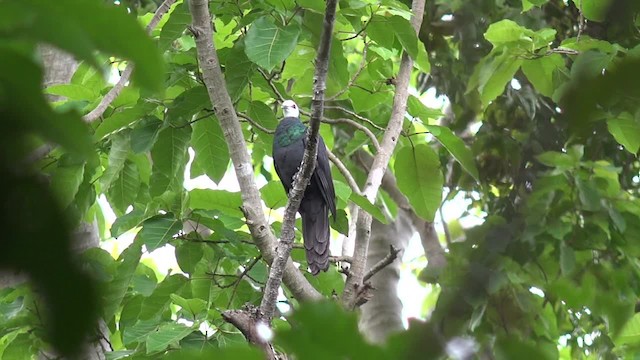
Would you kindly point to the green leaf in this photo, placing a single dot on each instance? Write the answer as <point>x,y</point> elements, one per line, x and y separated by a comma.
<point>507,31</point>
<point>567,259</point>
<point>492,74</point>
<point>169,155</point>
<point>416,108</point>
<point>626,130</point>
<point>192,306</point>
<point>630,334</point>
<point>176,24</point>
<point>187,104</point>
<point>127,222</point>
<point>405,34</point>
<point>267,44</point>
<point>139,331</point>
<point>223,201</point>
<point>456,148</point>
<point>273,195</point>
<point>367,206</point>
<point>72,91</point>
<point>212,153</point>
<point>65,183</point>
<point>540,72</point>
<point>158,230</point>
<point>160,299</point>
<point>119,120</point>
<point>117,288</point>
<point>188,254</point>
<point>145,134</point>
<point>594,10</point>
<point>556,159</point>
<point>420,178</point>
<point>238,71</point>
<point>124,190</point>
<point>117,158</point>
<point>263,114</point>
<point>227,352</point>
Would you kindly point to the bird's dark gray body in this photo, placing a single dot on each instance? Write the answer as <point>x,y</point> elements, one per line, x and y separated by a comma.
<point>319,197</point>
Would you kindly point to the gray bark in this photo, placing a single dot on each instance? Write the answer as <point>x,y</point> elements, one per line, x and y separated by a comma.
<point>381,316</point>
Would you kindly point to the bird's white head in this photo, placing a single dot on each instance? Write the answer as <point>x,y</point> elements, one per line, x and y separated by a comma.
<point>290,109</point>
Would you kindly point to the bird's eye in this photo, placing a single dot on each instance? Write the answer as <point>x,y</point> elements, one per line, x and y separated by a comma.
<point>294,106</point>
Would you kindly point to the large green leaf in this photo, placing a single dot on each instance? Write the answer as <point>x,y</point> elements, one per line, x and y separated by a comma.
<point>67,25</point>
<point>158,230</point>
<point>212,153</point>
<point>65,183</point>
<point>223,201</point>
<point>268,44</point>
<point>405,34</point>
<point>273,195</point>
<point>493,73</point>
<point>456,147</point>
<point>124,190</point>
<point>117,288</point>
<point>594,10</point>
<point>420,178</point>
<point>188,254</point>
<point>145,134</point>
<point>117,158</point>
<point>540,72</point>
<point>176,24</point>
<point>238,71</point>
<point>119,120</point>
<point>161,297</point>
<point>630,333</point>
<point>165,336</point>
<point>187,104</point>
<point>169,155</point>
<point>263,115</point>
<point>626,130</point>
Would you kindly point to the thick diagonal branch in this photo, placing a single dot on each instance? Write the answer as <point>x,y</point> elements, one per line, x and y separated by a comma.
<point>252,206</point>
<point>306,169</point>
<point>380,163</point>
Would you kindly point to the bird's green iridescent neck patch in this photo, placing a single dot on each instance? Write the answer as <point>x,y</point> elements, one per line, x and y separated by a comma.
<point>292,134</point>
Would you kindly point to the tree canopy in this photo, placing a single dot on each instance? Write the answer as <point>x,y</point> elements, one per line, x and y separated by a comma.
<point>539,138</point>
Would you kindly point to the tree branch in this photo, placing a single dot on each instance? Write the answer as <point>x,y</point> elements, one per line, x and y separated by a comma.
<point>393,254</point>
<point>232,131</point>
<point>358,126</point>
<point>354,283</point>
<point>309,160</point>
<point>248,321</point>
<point>345,172</point>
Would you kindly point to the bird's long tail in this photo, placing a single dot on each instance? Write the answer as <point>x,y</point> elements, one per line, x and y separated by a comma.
<point>315,231</point>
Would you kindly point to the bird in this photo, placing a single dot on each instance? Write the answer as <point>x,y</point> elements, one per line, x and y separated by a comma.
<point>319,198</point>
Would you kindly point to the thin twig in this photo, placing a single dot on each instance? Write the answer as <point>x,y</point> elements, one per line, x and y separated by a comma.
<point>271,85</point>
<point>391,257</point>
<point>345,172</point>
<point>255,124</point>
<point>241,276</point>
<point>358,126</point>
<point>309,160</point>
<point>355,115</point>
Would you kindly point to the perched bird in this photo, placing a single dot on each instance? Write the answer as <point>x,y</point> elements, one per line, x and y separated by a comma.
<point>319,197</point>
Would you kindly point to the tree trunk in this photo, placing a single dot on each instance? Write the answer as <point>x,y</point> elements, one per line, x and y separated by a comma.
<point>381,316</point>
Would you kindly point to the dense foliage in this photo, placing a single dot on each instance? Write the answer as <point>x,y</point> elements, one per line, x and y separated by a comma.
<point>542,137</point>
